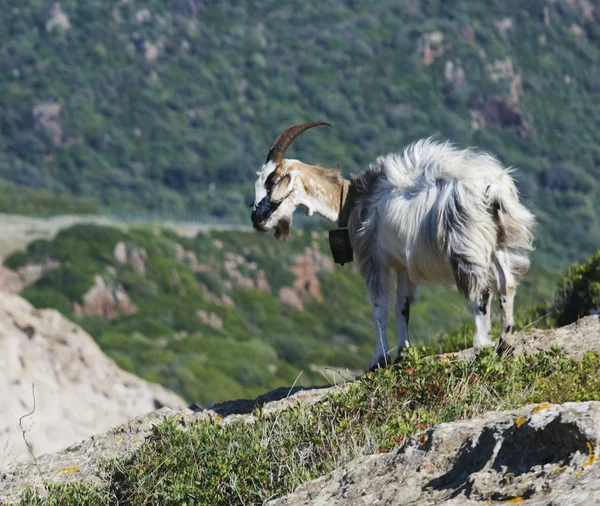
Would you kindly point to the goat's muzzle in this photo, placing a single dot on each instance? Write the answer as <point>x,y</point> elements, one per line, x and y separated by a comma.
<point>258,222</point>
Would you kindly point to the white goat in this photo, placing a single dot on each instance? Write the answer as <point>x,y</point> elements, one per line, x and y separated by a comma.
<point>432,213</point>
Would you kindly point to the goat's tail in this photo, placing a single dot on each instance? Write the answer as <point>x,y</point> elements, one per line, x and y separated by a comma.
<point>515,222</point>
<point>468,236</point>
<point>515,225</point>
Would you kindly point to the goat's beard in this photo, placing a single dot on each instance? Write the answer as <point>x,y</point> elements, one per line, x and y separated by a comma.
<point>282,229</point>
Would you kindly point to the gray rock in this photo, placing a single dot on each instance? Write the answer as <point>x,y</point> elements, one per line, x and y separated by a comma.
<point>81,462</point>
<point>540,454</point>
<point>575,339</point>
<point>78,390</point>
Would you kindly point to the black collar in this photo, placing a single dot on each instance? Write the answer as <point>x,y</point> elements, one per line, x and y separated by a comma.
<point>346,203</point>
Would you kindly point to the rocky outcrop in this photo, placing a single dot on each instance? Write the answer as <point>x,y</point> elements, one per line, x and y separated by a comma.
<point>83,461</point>
<point>498,111</point>
<point>78,390</point>
<point>15,281</point>
<point>58,19</point>
<point>134,256</point>
<point>306,284</point>
<point>106,300</point>
<point>540,454</point>
<point>46,116</point>
<point>431,47</point>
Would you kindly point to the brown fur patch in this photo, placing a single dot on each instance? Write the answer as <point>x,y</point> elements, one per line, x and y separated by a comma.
<point>319,182</point>
<point>282,230</point>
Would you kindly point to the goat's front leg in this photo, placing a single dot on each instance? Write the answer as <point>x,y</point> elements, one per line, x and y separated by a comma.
<point>405,293</point>
<point>483,326</point>
<point>380,299</point>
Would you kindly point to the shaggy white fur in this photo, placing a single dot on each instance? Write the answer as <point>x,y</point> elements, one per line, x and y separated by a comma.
<point>432,213</point>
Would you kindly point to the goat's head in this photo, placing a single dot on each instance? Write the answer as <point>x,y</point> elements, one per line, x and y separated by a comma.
<point>277,187</point>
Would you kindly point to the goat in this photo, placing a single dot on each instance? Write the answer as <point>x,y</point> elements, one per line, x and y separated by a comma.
<point>433,213</point>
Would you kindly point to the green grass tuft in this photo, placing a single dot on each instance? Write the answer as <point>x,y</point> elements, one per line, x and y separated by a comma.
<point>248,463</point>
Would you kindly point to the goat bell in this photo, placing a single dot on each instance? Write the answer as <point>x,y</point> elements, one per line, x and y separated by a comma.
<point>341,248</point>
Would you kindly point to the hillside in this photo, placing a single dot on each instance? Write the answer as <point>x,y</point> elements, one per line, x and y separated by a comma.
<point>59,385</point>
<point>432,430</point>
<point>170,106</point>
<point>227,314</point>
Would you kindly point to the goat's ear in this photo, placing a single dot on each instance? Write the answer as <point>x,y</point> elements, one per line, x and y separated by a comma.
<point>282,189</point>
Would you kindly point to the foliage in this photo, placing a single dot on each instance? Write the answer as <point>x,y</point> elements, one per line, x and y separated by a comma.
<point>23,200</point>
<point>171,106</point>
<point>208,462</point>
<point>579,292</point>
<point>256,342</point>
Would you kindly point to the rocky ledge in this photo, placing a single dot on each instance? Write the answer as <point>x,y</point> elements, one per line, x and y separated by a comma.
<point>538,454</point>
<point>541,454</point>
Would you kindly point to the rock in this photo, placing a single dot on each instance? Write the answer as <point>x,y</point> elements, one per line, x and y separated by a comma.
<point>232,263</point>
<point>78,390</point>
<point>539,454</point>
<point>431,47</point>
<point>587,7</point>
<point>210,319</point>
<point>16,281</point>
<point>58,19</point>
<point>503,70</point>
<point>85,459</point>
<point>503,25</point>
<point>576,339</point>
<point>576,30</point>
<point>468,33</point>
<point>143,15</point>
<point>150,52</point>
<point>45,116</point>
<point>134,256</point>
<point>104,300</point>
<point>261,281</point>
<point>306,284</point>
<point>9,280</point>
<point>498,111</point>
<point>120,253</point>
<point>288,296</point>
<point>454,74</point>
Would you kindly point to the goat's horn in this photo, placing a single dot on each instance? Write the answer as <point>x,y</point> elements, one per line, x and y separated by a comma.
<point>286,137</point>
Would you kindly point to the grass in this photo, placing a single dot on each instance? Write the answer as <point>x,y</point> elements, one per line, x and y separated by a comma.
<point>262,343</point>
<point>209,462</point>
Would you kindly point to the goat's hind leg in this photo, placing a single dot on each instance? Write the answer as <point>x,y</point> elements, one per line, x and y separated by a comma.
<point>379,293</point>
<point>507,287</point>
<point>483,323</point>
<point>405,293</point>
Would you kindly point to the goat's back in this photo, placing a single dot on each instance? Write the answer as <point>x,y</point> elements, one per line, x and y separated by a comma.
<point>434,204</point>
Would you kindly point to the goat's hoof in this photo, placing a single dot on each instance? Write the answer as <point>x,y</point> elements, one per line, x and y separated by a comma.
<point>401,356</point>
<point>380,363</point>
<point>506,345</point>
<point>477,351</point>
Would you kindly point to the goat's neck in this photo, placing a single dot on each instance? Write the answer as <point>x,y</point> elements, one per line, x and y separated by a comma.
<point>320,193</point>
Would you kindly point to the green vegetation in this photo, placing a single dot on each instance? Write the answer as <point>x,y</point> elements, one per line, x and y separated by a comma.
<point>579,292</point>
<point>22,200</point>
<point>171,106</point>
<point>203,327</point>
<point>248,463</point>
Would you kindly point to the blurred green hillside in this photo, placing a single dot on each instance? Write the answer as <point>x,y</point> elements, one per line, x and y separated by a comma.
<point>171,106</point>
<point>231,314</point>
